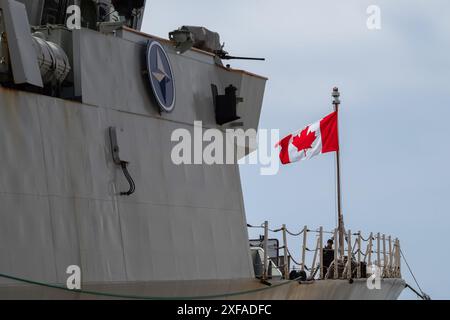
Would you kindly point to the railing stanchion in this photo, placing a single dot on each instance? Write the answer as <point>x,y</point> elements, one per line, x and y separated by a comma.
<point>285,250</point>
<point>369,253</point>
<point>313,266</point>
<point>384,256</point>
<point>399,259</point>
<point>336,270</point>
<point>394,263</point>
<point>378,252</point>
<point>321,251</point>
<point>349,255</point>
<point>305,232</point>
<point>358,271</point>
<point>266,235</point>
<point>390,257</point>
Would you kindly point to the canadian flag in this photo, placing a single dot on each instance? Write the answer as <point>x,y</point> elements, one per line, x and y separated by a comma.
<point>319,137</point>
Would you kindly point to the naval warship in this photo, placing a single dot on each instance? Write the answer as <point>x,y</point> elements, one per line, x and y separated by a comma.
<point>88,104</point>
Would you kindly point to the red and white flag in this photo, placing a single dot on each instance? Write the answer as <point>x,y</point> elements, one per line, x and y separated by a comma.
<point>319,137</point>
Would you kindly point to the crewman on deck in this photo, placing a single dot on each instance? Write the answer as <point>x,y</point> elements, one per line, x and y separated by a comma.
<point>328,255</point>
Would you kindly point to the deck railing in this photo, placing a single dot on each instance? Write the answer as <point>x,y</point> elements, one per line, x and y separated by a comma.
<point>361,250</point>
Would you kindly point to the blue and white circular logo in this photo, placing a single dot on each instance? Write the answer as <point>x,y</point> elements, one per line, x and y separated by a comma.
<point>161,77</point>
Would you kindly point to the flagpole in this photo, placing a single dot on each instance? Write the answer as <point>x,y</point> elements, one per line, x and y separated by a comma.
<point>336,103</point>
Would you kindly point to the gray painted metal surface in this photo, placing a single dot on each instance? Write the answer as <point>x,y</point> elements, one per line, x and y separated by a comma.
<point>59,195</point>
<point>34,10</point>
<point>24,62</point>
<point>60,203</point>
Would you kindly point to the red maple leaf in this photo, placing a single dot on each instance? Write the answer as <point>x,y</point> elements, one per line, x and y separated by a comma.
<point>304,140</point>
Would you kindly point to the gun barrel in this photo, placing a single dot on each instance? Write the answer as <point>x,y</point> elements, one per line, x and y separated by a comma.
<point>227,57</point>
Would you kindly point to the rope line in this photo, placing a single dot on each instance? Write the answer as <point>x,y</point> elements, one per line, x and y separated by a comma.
<point>290,256</point>
<point>295,234</point>
<point>360,252</point>
<point>412,274</point>
<point>421,296</point>
<point>365,240</point>
<point>124,296</point>
<point>308,230</point>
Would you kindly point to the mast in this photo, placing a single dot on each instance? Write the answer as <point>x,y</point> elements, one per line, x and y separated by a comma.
<point>336,103</point>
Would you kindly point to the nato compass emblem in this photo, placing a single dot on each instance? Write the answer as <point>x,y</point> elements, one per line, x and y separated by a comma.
<point>161,77</point>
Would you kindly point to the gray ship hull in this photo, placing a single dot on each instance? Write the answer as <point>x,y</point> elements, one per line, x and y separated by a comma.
<point>390,289</point>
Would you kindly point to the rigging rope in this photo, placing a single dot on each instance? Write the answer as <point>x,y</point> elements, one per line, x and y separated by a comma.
<point>359,252</point>
<point>290,256</point>
<point>365,240</point>
<point>424,296</point>
<point>295,234</point>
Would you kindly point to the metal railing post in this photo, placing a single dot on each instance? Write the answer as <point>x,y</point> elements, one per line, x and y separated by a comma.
<point>399,259</point>
<point>378,251</point>
<point>313,266</point>
<point>349,255</point>
<point>390,257</point>
<point>285,250</point>
<point>266,235</point>
<point>358,271</point>
<point>321,251</point>
<point>305,232</point>
<point>336,270</point>
<point>369,253</point>
<point>395,260</point>
<point>384,256</point>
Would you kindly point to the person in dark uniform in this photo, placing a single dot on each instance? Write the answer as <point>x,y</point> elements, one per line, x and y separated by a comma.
<point>328,255</point>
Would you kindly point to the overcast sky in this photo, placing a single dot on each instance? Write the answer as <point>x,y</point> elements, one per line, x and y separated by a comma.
<point>395,92</point>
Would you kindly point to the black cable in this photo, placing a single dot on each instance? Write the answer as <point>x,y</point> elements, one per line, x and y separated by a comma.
<point>130,180</point>
<point>424,296</point>
<point>295,234</point>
